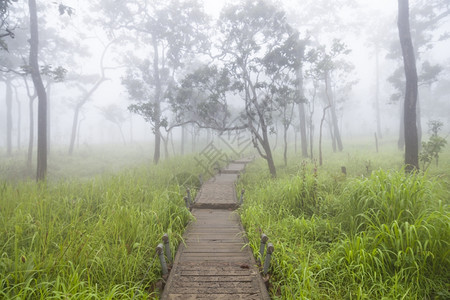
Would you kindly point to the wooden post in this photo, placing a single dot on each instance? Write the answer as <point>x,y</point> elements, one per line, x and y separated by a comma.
<point>270,250</point>
<point>264,240</point>
<point>165,239</point>
<point>242,196</point>
<point>186,201</point>
<point>160,252</point>
<point>188,192</point>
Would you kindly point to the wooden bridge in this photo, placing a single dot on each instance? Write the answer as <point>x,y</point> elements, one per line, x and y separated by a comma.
<point>214,261</point>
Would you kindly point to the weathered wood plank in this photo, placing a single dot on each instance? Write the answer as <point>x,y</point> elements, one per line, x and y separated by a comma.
<point>215,262</point>
<point>214,296</point>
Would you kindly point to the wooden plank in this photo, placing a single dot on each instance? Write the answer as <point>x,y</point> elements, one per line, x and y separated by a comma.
<point>215,262</point>
<point>253,296</point>
<point>215,290</point>
<point>209,273</point>
<point>215,278</point>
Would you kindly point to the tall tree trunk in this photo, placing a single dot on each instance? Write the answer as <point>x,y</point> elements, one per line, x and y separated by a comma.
<point>411,91</point>
<point>303,135</point>
<point>320,134</point>
<point>166,145</point>
<point>377,91</point>
<point>157,112</point>
<point>311,139</point>
<point>301,112</point>
<point>419,123</point>
<point>334,120</point>
<point>285,140</point>
<point>8,98</point>
<point>268,156</point>
<point>31,134</point>
<point>19,119</point>
<point>401,134</point>
<point>183,138</point>
<point>332,136</point>
<point>276,137</point>
<point>48,119</point>
<point>73,135</point>
<point>42,96</point>
<point>193,134</point>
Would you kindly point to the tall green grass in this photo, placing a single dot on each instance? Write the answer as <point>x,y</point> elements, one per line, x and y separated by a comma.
<point>373,234</point>
<point>90,239</point>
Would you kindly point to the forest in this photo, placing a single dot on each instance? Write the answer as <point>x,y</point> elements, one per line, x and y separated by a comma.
<point>110,111</point>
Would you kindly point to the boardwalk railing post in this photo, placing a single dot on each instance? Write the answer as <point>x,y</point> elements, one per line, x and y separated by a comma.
<point>160,252</point>
<point>186,201</point>
<point>242,196</point>
<point>165,239</point>
<point>268,257</point>
<point>188,192</point>
<point>264,240</point>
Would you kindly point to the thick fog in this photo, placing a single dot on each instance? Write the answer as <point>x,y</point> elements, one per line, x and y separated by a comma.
<point>98,46</point>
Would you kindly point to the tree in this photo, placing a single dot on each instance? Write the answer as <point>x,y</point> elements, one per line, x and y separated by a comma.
<point>41,93</point>
<point>426,18</point>
<point>253,43</point>
<point>5,31</point>
<point>170,32</point>
<point>411,90</point>
<point>329,67</point>
<point>87,94</point>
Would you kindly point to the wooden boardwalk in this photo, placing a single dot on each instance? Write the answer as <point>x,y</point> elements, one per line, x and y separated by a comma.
<point>214,262</point>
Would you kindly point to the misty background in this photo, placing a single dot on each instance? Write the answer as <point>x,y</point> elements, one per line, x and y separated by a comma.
<point>94,55</point>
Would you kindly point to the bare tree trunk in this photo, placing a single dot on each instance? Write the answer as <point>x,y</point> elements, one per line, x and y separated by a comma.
<point>334,120</point>
<point>377,91</point>
<point>48,119</point>
<point>19,119</point>
<point>411,91</point>
<point>31,134</point>
<point>301,112</point>
<point>295,140</point>
<point>320,134</point>
<point>157,128</point>
<point>311,139</point>
<point>419,123</point>
<point>401,135</point>
<point>42,96</point>
<point>276,137</point>
<point>286,127</point>
<point>8,98</point>
<point>193,133</point>
<point>183,138</point>
<point>333,138</point>
<point>74,128</point>
<point>302,116</point>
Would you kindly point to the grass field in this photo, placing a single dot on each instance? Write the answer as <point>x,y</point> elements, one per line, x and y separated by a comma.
<point>91,231</point>
<point>374,233</point>
<point>94,237</point>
